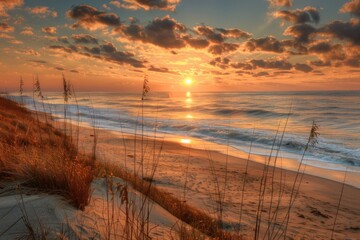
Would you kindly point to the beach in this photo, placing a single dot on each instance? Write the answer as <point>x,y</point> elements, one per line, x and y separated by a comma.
<point>245,192</point>
<point>312,215</point>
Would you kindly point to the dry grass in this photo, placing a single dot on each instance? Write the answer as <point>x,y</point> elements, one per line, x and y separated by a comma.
<point>39,156</point>
<point>194,217</point>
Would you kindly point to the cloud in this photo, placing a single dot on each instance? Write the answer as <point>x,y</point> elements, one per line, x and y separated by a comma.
<point>91,18</point>
<point>353,62</point>
<point>320,63</point>
<point>29,52</point>
<point>327,51</point>
<point>261,74</point>
<point>162,70</point>
<point>6,36</point>
<point>106,52</point>
<point>49,30</point>
<point>219,35</point>
<point>4,27</point>
<point>27,31</point>
<point>163,32</point>
<point>301,32</point>
<point>349,31</point>
<point>167,5</point>
<point>271,64</point>
<point>17,42</point>
<point>220,62</point>
<point>351,7</point>
<point>6,5</point>
<point>63,39</point>
<point>60,68</point>
<point>84,38</point>
<point>280,3</point>
<point>38,61</point>
<point>303,67</point>
<point>196,43</point>
<point>43,11</point>
<point>308,14</point>
<point>58,48</point>
<point>221,48</point>
<point>269,44</point>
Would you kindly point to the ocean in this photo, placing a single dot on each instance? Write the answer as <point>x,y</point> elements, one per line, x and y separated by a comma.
<point>229,119</point>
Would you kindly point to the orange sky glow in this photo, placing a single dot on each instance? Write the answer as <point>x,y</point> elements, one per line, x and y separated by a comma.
<point>285,46</point>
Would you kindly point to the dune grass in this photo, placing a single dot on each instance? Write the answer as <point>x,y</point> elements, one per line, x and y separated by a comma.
<point>33,154</point>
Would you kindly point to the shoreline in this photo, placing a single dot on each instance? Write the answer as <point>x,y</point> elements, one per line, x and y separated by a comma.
<point>207,179</point>
<point>180,165</point>
<point>352,178</point>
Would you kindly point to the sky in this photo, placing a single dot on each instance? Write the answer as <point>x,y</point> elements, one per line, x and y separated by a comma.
<point>228,45</point>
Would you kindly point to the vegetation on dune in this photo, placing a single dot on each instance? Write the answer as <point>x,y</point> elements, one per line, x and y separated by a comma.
<point>33,153</point>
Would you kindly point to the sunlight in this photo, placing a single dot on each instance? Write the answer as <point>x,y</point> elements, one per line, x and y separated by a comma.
<point>188,94</point>
<point>189,116</point>
<point>185,141</point>
<point>188,81</point>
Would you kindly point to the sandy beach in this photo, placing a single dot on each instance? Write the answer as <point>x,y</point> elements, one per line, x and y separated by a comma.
<point>312,215</point>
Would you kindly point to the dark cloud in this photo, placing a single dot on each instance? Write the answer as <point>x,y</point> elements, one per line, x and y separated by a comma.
<point>219,35</point>
<point>107,52</point>
<point>221,48</point>
<point>196,43</point>
<point>108,47</point>
<point>63,39</point>
<point>162,70</point>
<point>245,66</point>
<point>327,51</point>
<point>163,32</point>
<point>301,32</point>
<point>280,3</point>
<point>74,71</point>
<point>94,50</point>
<point>59,48</point>
<point>271,64</point>
<point>220,62</point>
<point>308,14</point>
<point>320,63</point>
<point>84,38</point>
<point>353,62</point>
<point>38,61</point>
<point>168,5</point>
<point>349,31</point>
<point>4,27</point>
<point>91,18</point>
<point>320,47</point>
<point>49,30</point>
<point>233,33</point>
<point>261,74</point>
<point>351,7</point>
<point>303,67</point>
<point>269,44</point>
<point>59,68</point>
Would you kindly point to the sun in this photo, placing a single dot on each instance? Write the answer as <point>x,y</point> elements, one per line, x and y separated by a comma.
<point>188,81</point>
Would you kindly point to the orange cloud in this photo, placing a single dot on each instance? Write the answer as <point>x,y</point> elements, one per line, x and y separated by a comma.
<point>43,11</point>
<point>6,5</point>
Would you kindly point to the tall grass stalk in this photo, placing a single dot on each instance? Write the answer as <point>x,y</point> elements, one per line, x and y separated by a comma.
<point>21,89</point>
<point>244,182</point>
<point>311,142</point>
<point>339,203</point>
